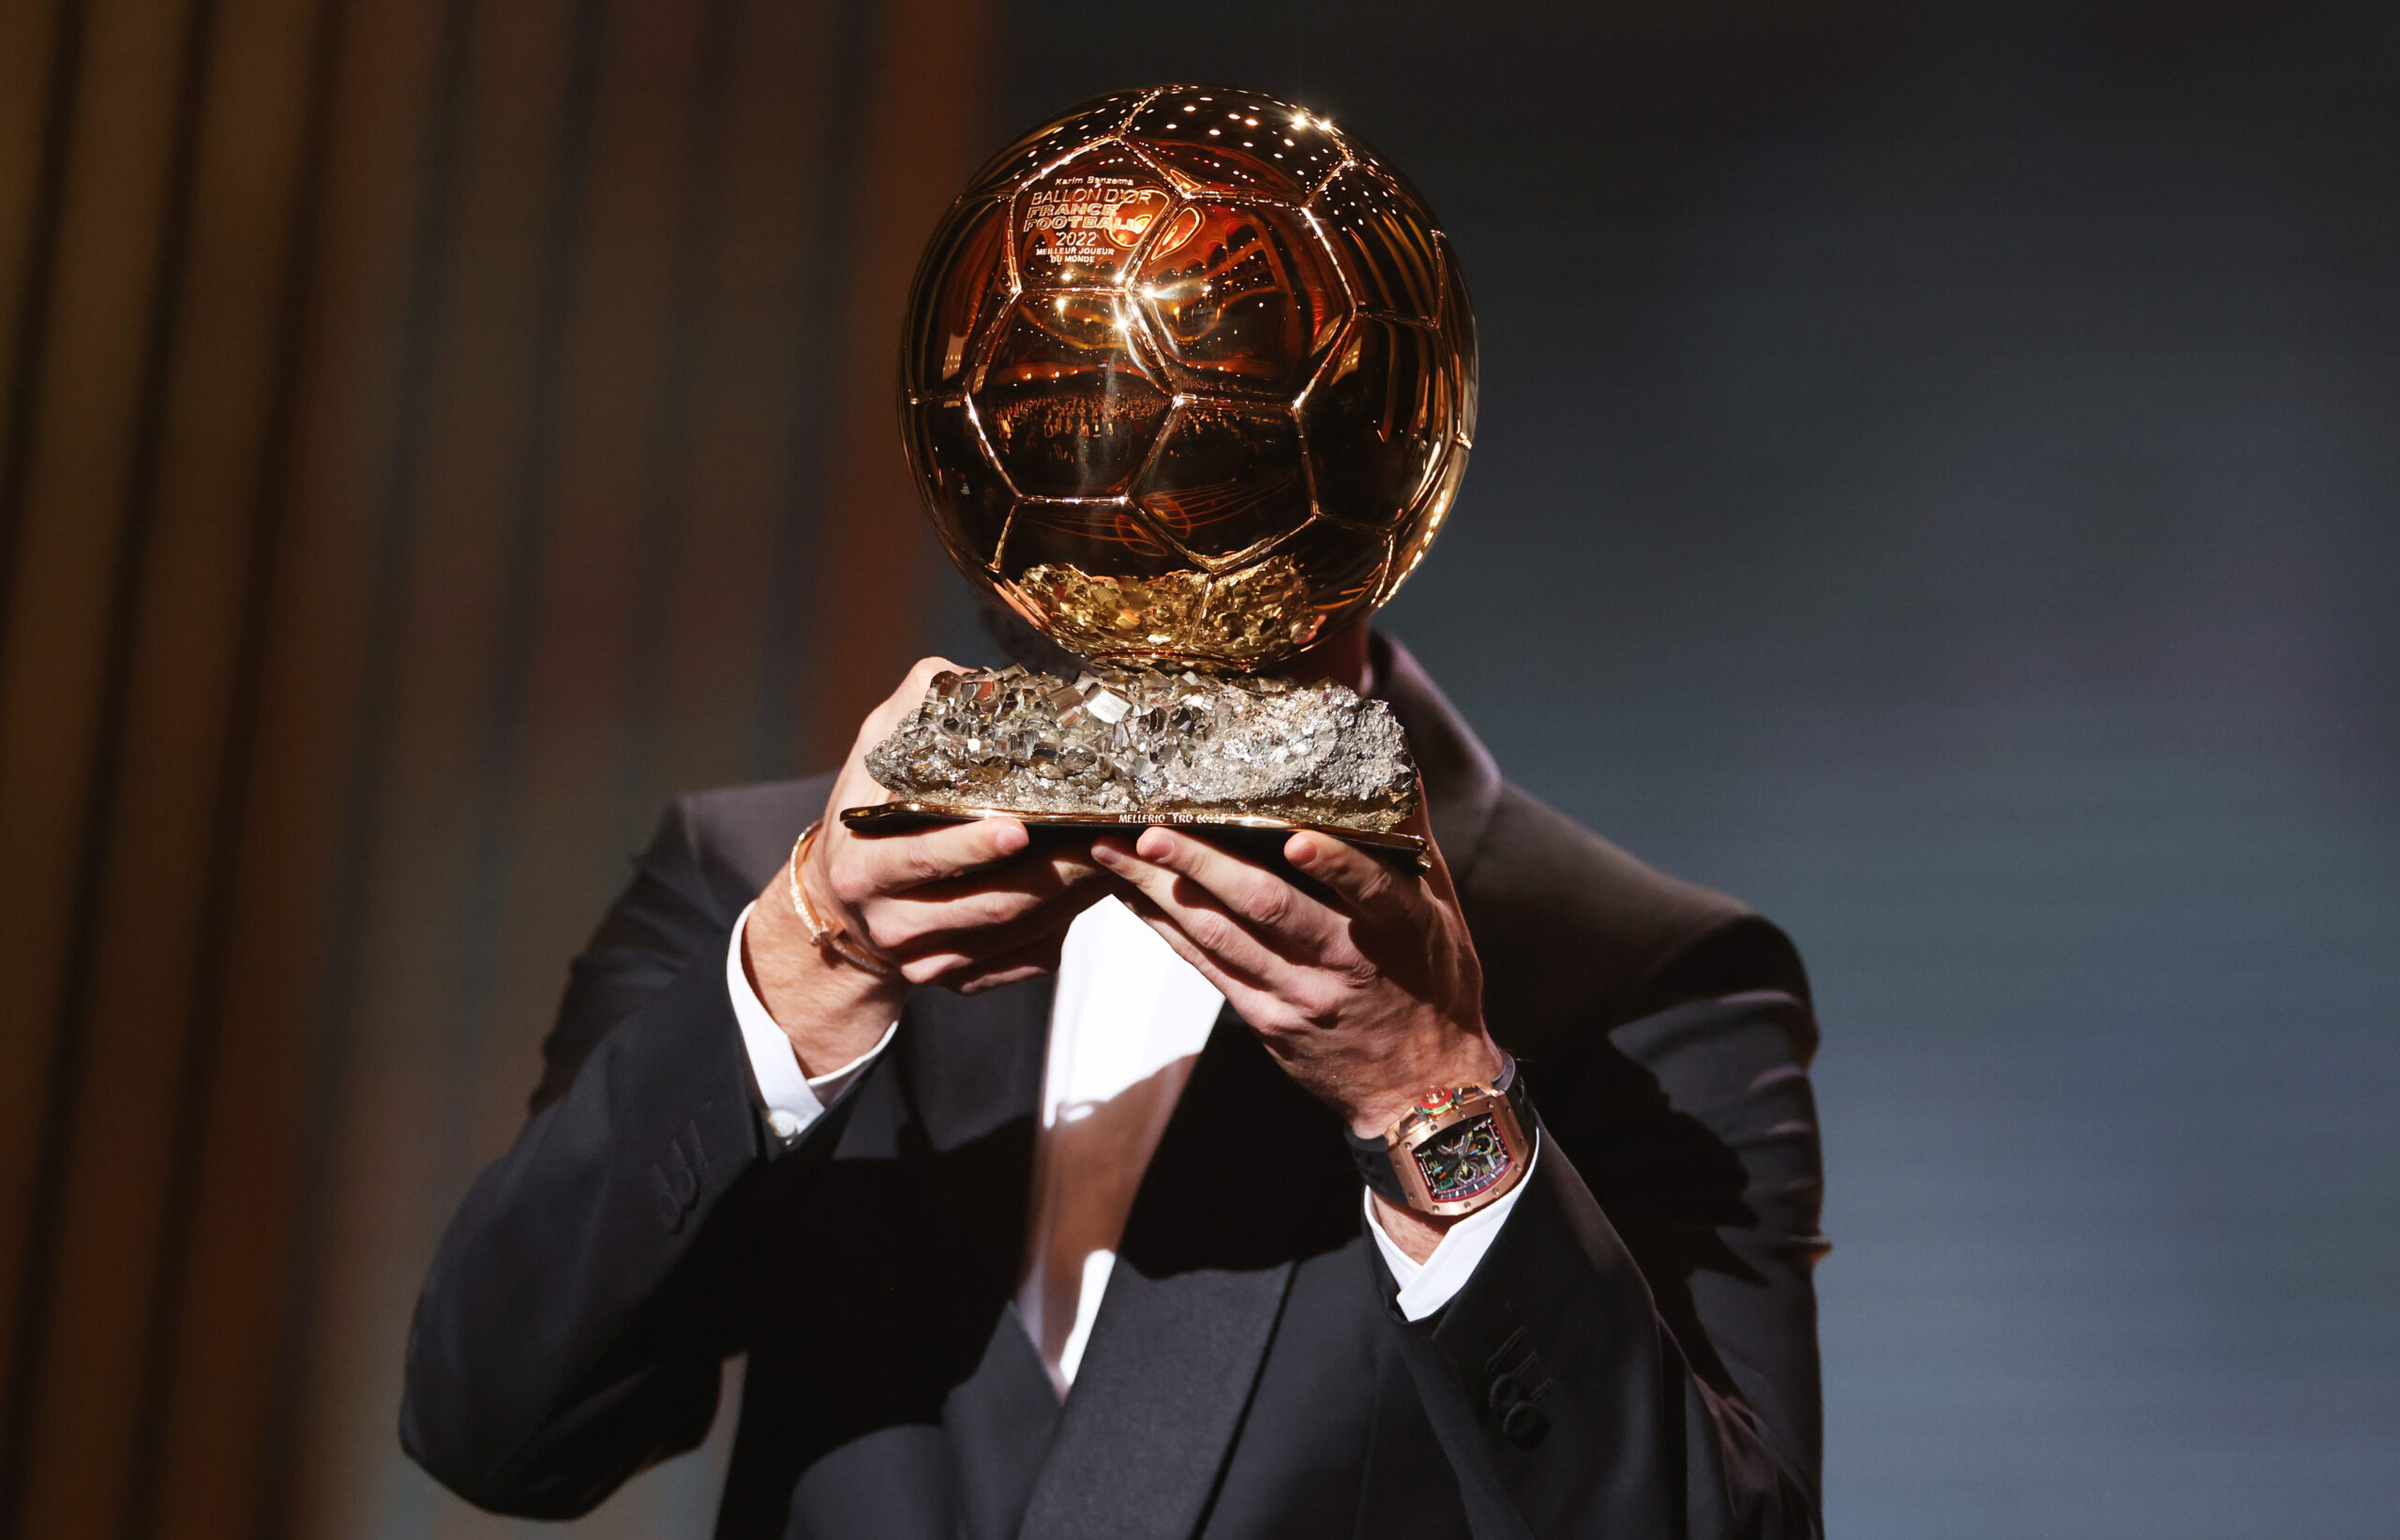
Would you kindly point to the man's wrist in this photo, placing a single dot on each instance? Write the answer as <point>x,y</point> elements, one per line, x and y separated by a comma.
<point>1473,1059</point>
<point>831,1010</point>
<point>1415,1235</point>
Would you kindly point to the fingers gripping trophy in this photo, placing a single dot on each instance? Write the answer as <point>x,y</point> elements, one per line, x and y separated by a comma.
<point>1188,382</point>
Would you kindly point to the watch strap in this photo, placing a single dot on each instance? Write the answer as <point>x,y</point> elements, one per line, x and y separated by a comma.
<point>1372,1156</point>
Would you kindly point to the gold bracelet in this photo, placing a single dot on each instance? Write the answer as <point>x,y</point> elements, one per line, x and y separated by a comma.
<point>830,938</point>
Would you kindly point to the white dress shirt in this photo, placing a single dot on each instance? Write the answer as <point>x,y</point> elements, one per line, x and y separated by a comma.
<point>1129,1019</point>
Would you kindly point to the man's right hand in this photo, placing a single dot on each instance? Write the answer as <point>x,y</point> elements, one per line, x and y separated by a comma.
<point>952,905</point>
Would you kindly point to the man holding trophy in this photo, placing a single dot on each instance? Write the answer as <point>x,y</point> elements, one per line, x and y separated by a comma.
<point>1171,1086</point>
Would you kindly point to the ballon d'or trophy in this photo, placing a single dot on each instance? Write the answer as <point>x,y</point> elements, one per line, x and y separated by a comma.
<point>1188,382</point>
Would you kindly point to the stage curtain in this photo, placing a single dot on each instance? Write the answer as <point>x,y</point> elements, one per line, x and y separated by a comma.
<point>434,431</point>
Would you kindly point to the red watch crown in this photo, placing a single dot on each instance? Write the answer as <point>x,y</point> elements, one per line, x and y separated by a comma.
<point>1435,1098</point>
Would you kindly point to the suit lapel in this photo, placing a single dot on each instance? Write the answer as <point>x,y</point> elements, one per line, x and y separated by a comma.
<point>1000,1420</point>
<point>1250,1176</point>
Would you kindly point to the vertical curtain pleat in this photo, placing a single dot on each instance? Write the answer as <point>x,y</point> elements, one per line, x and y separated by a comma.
<point>435,433</point>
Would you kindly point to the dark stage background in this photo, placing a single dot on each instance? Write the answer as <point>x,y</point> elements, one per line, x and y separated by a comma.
<point>1938,479</point>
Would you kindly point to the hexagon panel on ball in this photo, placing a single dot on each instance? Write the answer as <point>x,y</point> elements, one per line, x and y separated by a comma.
<point>1068,403</point>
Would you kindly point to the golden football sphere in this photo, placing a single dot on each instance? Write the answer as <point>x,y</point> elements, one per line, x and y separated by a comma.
<point>1189,378</point>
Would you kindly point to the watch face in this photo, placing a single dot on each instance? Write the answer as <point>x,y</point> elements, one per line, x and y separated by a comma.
<point>1462,1159</point>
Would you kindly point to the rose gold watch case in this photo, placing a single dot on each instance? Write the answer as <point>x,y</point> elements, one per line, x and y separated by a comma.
<point>1248,833</point>
<point>1473,1102</point>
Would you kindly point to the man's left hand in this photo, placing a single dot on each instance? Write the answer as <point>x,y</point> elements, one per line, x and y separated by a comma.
<point>1366,993</point>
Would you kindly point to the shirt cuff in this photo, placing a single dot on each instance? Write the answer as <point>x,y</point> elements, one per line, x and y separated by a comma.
<point>1427,1286</point>
<point>792,1100</point>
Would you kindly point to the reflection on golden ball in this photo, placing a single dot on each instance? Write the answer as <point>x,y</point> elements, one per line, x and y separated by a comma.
<point>1189,378</point>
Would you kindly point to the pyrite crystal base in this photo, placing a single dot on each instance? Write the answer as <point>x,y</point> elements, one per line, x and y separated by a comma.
<point>1139,747</point>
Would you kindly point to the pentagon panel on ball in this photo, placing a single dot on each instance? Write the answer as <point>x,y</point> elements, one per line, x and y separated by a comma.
<point>1244,298</point>
<point>1378,420</point>
<point>1189,379</point>
<point>1227,479</point>
<point>1385,251</point>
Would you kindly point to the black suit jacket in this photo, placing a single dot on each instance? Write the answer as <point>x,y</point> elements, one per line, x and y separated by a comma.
<point>1635,1356</point>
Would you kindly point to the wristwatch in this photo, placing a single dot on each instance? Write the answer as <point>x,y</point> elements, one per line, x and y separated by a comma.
<point>1459,1149</point>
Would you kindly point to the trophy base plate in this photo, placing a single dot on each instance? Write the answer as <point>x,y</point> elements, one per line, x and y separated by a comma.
<point>1254,834</point>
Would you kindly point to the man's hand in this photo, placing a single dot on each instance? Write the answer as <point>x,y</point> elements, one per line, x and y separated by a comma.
<point>948,904</point>
<point>1365,996</point>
